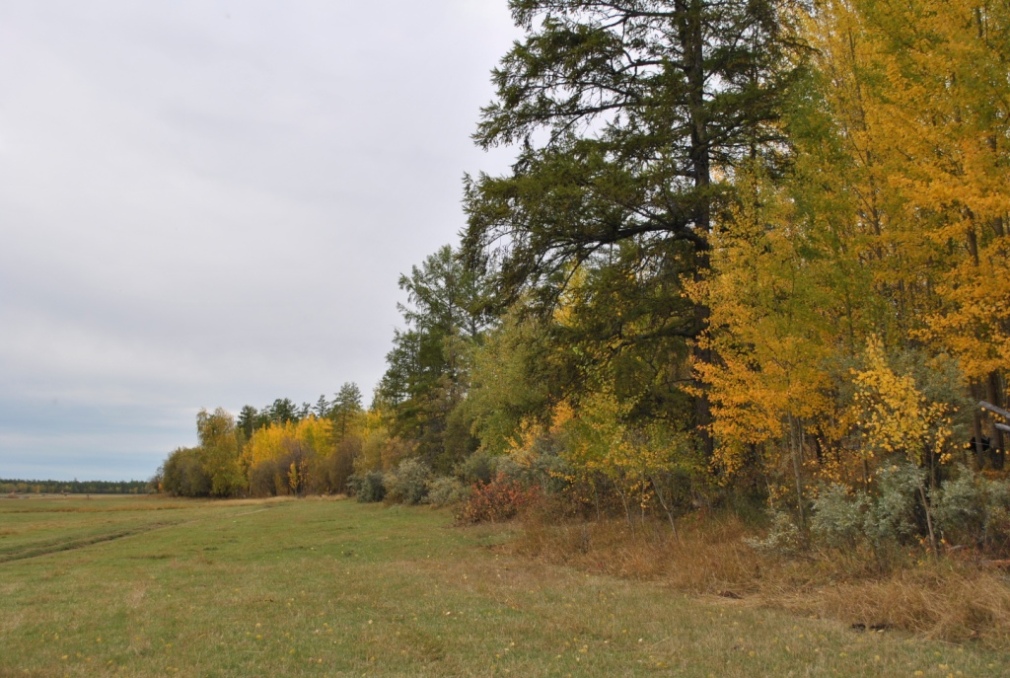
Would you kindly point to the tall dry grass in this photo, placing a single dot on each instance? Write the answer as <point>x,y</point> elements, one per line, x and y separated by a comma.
<point>944,599</point>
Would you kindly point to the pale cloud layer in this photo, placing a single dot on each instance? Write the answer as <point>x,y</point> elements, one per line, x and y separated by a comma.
<point>209,204</point>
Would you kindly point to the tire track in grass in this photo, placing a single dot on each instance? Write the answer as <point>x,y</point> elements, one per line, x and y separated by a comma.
<point>37,550</point>
<point>62,545</point>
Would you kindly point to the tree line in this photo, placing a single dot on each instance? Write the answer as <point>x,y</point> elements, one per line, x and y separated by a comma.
<point>16,486</point>
<point>280,449</point>
<point>747,252</point>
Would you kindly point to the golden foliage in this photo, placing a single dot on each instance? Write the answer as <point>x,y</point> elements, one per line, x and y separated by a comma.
<point>891,229</point>
<point>893,414</point>
<point>277,440</point>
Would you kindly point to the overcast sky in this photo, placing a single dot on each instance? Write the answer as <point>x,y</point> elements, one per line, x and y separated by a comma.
<point>208,203</point>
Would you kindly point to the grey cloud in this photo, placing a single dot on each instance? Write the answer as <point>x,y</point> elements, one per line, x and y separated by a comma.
<point>209,203</point>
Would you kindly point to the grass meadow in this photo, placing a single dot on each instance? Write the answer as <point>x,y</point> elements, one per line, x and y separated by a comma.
<point>322,587</point>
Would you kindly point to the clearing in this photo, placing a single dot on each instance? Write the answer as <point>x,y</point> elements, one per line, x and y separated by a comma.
<point>317,587</point>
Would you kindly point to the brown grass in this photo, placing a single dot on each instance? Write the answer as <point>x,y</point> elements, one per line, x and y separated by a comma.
<point>950,600</point>
<point>954,603</point>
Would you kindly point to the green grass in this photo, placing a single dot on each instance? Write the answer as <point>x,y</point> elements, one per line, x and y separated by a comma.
<point>151,587</point>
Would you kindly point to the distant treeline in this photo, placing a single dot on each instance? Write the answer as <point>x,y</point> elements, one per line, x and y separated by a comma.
<point>74,486</point>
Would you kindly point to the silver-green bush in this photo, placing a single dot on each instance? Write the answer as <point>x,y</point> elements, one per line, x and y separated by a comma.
<point>367,487</point>
<point>839,517</point>
<point>972,510</point>
<point>446,492</point>
<point>408,484</point>
<point>783,539</point>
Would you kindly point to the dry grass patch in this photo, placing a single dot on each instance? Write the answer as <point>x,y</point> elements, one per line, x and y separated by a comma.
<point>943,602</point>
<point>948,600</point>
<point>706,557</point>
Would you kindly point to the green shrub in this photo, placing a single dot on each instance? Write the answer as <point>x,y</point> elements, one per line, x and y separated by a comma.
<point>783,539</point>
<point>881,520</point>
<point>839,517</point>
<point>508,469</point>
<point>477,468</point>
<point>972,510</point>
<point>409,483</point>
<point>447,492</point>
<point>367,487</point>
<point>892,517</point>
<point>961,508</point>
<point>547,471</point>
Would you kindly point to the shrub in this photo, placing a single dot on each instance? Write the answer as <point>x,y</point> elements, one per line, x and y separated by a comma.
<point>783,539</point>
<point>409,483</point>
<point>477,468</point>
<point>367,487</point>
<point>961,508</point>
<point>892,518</point>
<point>446,492</point>
<point>974,510</point>
<point>509,470</point>
<point>839,518</point>
<point>500,500</point>
<point>549,471</point>
<point>882,520</point>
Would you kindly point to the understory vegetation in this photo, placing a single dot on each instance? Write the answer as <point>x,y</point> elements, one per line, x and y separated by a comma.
<point>749,268</point>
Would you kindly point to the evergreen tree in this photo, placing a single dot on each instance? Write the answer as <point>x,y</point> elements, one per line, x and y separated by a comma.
<point>346,407</point>
<point>631,117</point>
<point>427,368</point>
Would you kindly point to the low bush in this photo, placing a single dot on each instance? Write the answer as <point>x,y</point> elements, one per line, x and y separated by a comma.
<point>839,517</point>
<point>881,521</point>
<point>783,539</point>
<point>497,501</point>
<point>367,487</point>
<point>446,492</point>
<point>944,599</point>
<point>408,484</point>
<point>974,511</point>
<point>477,468</point>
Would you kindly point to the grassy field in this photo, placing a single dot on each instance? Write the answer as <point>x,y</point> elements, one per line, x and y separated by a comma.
<point>155,587</point>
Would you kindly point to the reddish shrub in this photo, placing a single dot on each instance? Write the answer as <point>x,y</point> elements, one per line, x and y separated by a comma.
<point>499,500</point>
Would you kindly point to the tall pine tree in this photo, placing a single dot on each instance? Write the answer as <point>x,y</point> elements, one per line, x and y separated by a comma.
<point>630,117</point>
